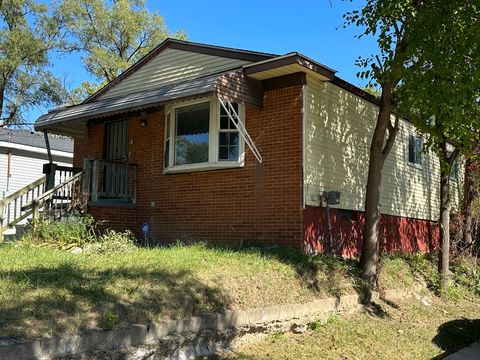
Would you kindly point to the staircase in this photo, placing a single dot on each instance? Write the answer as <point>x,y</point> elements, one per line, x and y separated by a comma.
<point>53,196</point>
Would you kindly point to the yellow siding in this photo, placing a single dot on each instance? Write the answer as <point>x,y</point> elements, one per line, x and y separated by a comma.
<point>172,66</point>
<point>338,131</point>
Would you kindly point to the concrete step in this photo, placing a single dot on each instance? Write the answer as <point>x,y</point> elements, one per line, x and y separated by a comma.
<point>15,233</point>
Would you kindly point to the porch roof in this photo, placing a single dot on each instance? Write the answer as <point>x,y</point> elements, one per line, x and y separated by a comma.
<point>72,120</point>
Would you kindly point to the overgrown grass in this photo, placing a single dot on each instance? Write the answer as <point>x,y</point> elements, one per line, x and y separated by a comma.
<point>77,232</point>
<point>47,291</point>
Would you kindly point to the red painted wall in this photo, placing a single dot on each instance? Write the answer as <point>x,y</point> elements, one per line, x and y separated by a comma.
<point>398,234</point>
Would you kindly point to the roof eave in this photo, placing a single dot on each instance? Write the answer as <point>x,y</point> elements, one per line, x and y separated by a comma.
<point>290,63</point>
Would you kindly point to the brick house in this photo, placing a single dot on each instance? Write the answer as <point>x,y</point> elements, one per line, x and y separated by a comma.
<point>206,143</point>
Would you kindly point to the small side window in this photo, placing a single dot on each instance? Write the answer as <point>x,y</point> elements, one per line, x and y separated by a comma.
<point>228,139</point>
<point>455,171</point>
<point>415,152</point>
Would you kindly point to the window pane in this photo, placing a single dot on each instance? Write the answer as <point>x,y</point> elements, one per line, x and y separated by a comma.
<point>167,154</point>
<point>225,122</point>
<point>223,153</point>
<point>418,150</point>
<point>411,149</point>
<point>228,149</point>
<point>223,140</point>
<point>191,141</point>
<point>233,154</point>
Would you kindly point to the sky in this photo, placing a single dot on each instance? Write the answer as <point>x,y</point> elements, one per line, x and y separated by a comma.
<point>313,28</point>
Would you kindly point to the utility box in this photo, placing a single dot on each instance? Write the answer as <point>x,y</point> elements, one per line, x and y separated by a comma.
<point>331,197</point>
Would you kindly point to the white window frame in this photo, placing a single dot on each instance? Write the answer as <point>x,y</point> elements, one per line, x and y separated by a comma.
<point>415,165</point>
<point>213,139</point>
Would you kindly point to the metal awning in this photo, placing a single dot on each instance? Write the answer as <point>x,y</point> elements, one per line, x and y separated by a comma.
<point>73,120</point>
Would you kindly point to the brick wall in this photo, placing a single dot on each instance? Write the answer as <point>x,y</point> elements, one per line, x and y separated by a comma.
<point>261,203</point>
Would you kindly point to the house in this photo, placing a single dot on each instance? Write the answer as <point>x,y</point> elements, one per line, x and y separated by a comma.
<point>23,154</point>
<point>206,143</point>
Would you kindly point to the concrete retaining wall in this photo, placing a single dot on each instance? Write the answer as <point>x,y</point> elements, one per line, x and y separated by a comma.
<point>195,336</point>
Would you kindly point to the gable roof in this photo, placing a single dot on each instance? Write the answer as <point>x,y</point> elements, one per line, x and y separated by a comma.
<point>169,43</point>
<point>178,69</point>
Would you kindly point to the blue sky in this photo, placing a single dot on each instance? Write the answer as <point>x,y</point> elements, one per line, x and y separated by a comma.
<point>313,28</point>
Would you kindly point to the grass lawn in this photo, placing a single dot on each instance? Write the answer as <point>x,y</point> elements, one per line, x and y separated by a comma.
<point>404,330</point>
<point>47,292</point>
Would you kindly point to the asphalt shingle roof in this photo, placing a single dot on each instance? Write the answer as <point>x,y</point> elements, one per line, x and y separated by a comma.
<point>36,139</point>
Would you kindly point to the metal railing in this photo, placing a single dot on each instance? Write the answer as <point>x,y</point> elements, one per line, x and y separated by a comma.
<point>105,179</point>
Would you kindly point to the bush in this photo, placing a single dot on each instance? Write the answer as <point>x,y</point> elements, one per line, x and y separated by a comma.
<point>466,273</point>
<point>75,231</point>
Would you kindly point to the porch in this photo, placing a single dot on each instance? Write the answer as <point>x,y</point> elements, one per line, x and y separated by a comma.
<point>109,183</point>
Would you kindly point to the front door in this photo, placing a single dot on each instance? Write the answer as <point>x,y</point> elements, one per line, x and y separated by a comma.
<point>116,156</point>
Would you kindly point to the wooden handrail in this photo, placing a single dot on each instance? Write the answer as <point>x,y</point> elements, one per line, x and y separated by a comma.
<point>47,194</point>
<point>23,190</point>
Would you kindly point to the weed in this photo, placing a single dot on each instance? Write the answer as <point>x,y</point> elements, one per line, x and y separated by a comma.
<point>317,324</point>
<point>110,320</point>
<point>112,242</point>
<point>62,234</point>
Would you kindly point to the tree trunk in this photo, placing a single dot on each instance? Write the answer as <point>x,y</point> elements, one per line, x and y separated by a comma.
<point>370,247</point>
<point>467,205</point>
<point>444,249</point>
<point>379,149</point>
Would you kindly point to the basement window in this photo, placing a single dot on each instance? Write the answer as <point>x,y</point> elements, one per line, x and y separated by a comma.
<point>415,150</point>
<point>199,135</point>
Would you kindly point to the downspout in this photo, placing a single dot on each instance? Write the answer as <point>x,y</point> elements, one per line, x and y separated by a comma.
<point>9,172</point>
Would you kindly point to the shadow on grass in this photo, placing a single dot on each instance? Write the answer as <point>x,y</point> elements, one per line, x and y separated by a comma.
<point>456,334</point>
<point>320,273</point>
<point>68,297</point>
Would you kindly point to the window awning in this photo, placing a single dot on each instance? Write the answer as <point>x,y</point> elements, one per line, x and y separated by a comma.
<point>72,121</point>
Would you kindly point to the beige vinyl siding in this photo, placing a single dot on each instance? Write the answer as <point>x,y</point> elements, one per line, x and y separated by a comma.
<point>172,66</point>
<point>338,131</point>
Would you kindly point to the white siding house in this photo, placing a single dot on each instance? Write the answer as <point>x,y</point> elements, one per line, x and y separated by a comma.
<point>22,155</point>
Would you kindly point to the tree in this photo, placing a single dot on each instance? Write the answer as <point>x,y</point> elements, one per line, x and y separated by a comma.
<point>441,93</point>
<point>112,34</point>
<point>390,22</point>
<point>28,34</point>
<point>419,44</point>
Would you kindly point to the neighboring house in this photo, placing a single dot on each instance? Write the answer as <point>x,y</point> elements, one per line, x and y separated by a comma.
<point>159,147</point>
<point>23,154</point>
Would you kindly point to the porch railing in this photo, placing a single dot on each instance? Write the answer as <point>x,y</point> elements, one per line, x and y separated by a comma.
<point>110,180</point>
<point>56,190</point>
<point>57,201</point>
<point>11,207</point>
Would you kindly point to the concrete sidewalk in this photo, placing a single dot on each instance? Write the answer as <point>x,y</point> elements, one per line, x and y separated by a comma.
<point>469,353</point>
